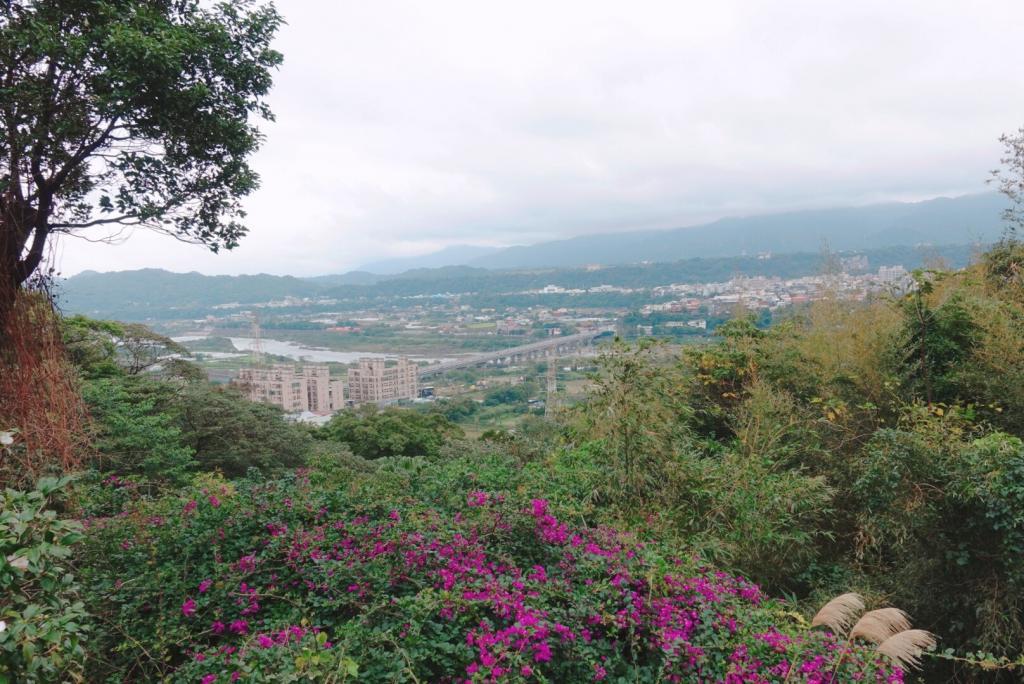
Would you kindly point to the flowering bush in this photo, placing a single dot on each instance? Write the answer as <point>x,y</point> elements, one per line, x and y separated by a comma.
<point>278,581</point>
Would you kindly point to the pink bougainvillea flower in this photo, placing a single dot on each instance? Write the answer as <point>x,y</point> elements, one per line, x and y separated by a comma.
<point>209,679</point>
<point>204,585</point>
<point>214,501</point>
<point>239,626</point>
<point>189,507</point>
<point>264,641</point>
<point>476,499</point>
<point>188,608</point>
<point>246,563</point>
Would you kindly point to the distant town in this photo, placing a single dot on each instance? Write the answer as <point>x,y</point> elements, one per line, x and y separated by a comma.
<point>298,354</point>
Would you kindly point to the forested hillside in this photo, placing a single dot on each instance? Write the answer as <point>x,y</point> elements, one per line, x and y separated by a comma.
<point>160,295</point>
<point>857,448</point>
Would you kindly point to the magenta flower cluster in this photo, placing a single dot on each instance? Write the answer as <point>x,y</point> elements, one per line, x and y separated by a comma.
<point>579,604</point>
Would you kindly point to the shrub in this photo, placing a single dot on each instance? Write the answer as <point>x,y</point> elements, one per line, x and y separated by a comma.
<point>42,619</point>
<point>372,433</point>
<point>231,434</point>
<point>942,532</point>
<point>131,436</point>
<point>277,581</point>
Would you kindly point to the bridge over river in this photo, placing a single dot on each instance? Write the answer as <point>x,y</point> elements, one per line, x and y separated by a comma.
<point>553,346</point>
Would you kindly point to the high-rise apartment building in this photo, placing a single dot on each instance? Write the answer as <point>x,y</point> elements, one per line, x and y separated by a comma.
<point>294,389</point>
<point>375,380</point>
<point>323,394</point>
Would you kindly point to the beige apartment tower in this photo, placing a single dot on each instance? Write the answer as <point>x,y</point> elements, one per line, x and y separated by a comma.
<point>377,382</point>
<point>294,388</point>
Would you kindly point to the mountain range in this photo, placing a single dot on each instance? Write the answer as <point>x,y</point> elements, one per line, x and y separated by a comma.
<point>888,233</point>
<point>940,221</point>
<point>456,255</point>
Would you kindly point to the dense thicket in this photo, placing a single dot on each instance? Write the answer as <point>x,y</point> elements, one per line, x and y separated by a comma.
<point>874,447</point>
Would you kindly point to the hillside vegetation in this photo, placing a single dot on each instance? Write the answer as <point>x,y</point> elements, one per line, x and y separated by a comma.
<point>161,295</point>
<point>639,536</point>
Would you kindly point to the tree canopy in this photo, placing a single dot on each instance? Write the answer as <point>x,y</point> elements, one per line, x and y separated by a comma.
<point>128,113</point>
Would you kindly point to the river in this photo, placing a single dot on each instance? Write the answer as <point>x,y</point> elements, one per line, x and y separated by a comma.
<point>305,354</point>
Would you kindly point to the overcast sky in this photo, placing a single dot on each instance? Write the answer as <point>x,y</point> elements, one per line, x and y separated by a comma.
<point>406,126</point>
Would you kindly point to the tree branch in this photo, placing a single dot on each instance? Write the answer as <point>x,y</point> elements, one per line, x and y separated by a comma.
<point>44,132</point>
<point>81,155</point>
<point>94,222</point>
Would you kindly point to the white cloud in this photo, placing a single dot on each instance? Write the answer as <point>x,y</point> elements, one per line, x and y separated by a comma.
<point>404,126</point>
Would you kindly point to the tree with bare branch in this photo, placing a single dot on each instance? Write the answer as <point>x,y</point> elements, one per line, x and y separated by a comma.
<point>1010,178</point>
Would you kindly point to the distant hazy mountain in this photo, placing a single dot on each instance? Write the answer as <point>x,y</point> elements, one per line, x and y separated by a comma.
<point>456,255</point>
<point>135,295</point>
<point>708,251</point>
<point>940,221</point>
<point>350,278</point>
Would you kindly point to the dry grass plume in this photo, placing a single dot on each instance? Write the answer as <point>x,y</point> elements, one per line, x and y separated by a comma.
<point>906,647</point>
<point>839,613</point>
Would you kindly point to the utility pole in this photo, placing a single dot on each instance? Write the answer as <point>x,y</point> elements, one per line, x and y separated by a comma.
<point>552,388</point>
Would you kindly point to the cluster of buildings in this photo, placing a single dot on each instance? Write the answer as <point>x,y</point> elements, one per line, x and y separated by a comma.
<point>296,389</point>
<point>557,289</point>
<point>762,292</point>
<point>309,389</point>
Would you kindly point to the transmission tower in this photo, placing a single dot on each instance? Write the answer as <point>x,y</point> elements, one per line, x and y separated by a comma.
<point>256,345</point>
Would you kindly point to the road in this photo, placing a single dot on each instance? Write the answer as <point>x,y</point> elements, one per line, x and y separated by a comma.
<point>577,340</point>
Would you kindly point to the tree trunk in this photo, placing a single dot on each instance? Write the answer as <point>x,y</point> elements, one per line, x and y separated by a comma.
<point>18,222</point>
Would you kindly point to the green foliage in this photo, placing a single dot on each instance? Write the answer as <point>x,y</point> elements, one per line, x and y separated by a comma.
<point>132,437</point>
<point>942,526</point>
<point>372,433</point>
<point>92,345</point>
<point>744,512</point>
<point>131,113</point>
<point>444,570</point>
<point>1004,264</point>
<point>717,375</point>
<point>456,409</point>
<point>635,409</point>
<point>229,433</point>
<point>44,622</point>
<point>533,438</point>
<point>108,348</point>
<point>937,339</point>
<point>510,394</point>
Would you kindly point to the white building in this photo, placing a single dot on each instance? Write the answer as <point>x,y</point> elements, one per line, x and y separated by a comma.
<point>294,388</point>
<point>374,380</point>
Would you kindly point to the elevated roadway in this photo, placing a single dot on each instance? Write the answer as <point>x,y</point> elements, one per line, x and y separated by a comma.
<point>552,345</point>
